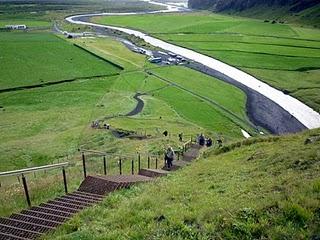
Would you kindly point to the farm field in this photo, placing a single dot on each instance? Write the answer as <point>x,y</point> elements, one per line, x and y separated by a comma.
<point>62,60</point>
<point>29,23</point>
<point>285,56</point>
<point>215,90</point>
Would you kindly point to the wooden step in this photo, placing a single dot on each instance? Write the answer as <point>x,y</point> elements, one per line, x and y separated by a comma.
<point>39,213</point>
<point>81,198</point>
<point>25,225</point>
<point>59,208</point>
<point>102,185</point>
<point>7,236</point>
<point>19,232</point>
<point>44,209</point>
<point>66,204</point>
<point>73,201</point>
<point>36,220</point>
<point>148,172</point>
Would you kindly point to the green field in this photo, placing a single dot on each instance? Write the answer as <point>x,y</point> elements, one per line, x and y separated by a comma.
<point>27,22</point>
<point>33,58</point>
<point>285,56</point>
<point>253,191</point>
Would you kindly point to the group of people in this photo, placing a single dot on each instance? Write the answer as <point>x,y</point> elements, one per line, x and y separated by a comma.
<point>202,141</point>
<point>96,124</point>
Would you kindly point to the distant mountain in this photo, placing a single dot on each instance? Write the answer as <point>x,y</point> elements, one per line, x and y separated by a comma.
<point>307,11</point>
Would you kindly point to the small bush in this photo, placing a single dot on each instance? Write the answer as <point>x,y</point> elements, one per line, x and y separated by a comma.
<point>316,187</point>
<point>297,214</point>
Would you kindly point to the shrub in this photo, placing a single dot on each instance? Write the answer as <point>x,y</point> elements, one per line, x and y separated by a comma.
<point>296,214</point>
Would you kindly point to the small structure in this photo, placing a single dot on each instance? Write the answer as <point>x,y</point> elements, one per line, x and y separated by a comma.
<point>155,59</point>
<point>16,27</point>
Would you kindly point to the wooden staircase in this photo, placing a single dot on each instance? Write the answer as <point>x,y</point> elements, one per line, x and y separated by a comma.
<point>32,223</point>
<point>38,220</point>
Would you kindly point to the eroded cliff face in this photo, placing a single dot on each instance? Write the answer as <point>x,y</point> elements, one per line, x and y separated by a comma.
<point>240,5</point>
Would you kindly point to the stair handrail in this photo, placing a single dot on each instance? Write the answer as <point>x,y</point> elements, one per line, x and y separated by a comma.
<point>24,171</point>
<point>33,169</point>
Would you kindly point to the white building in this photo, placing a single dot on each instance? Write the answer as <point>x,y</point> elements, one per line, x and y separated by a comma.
<point>16,27</point>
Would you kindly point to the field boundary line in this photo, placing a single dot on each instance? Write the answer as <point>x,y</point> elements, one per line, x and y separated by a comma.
<point>47,84</point>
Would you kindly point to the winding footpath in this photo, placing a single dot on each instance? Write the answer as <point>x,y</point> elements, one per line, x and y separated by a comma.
<point>294,108</point>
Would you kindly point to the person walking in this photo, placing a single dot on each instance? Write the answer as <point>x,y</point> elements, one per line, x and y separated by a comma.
<point>202,140</point>
<point>180,137</point>
<point>169,156</point>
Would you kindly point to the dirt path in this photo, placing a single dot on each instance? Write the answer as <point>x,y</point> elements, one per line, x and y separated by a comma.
<point>139,106</point>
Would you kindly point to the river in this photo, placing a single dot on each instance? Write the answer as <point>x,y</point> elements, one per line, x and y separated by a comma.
<point>295,109</point>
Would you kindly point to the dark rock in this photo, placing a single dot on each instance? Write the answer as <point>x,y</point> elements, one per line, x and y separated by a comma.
<point>160,218</point>
<point>312,139</point>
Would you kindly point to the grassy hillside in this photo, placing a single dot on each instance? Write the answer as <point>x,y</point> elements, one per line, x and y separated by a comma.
<point>48,124</point>
<point>254,190</point>
<point>285,56</point>
<point>302,12</point>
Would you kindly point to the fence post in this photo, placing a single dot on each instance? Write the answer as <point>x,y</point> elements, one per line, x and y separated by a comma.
<point>139,162</point>
<point>148,161</point>
<point>84,165</point>
<point>132,167</point>
<point>24,182</point>
<point>65,180</point>
<point>104,165</point>
<point>156,162</point>
<point>120,166</point>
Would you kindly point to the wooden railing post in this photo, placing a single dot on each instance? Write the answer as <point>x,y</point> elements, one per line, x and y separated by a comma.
<point>64,180</point>
<point>132,167</point>
<point>120,166</point>
<point>148,162</point>
<point>84,165</point>
<point>25,186</point>
<point>104,165</point>
<point>156,162</point>
<point>139,162</point>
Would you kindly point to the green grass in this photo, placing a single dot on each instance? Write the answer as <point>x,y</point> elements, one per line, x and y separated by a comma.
<point>262,49</point>
<point>29,23</point>
<point>224,95</point>
<point>252,191</point>
<point>232,99</point>
<point>114,51</point>
<point>33,58</point>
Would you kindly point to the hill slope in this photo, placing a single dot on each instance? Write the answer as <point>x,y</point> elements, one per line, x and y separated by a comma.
<point>255,190</point>
<point>304,11</point>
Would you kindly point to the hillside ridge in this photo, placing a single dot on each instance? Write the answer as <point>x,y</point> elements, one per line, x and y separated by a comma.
<point>302,11</point>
